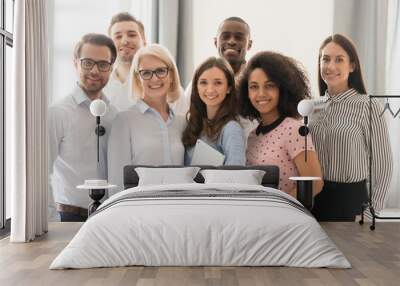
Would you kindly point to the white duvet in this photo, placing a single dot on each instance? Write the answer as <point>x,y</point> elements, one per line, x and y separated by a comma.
<point>207,230</point>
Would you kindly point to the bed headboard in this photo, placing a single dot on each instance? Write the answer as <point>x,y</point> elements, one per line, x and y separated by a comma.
<point>270,179</point>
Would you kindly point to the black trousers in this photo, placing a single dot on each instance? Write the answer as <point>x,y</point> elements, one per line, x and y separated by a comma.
<point>340,201</point>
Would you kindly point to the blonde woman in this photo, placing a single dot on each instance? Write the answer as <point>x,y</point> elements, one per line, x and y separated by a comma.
<point>149,132</point>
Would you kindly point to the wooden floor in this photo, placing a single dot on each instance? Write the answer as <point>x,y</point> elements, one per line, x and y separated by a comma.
<point>374,255</point>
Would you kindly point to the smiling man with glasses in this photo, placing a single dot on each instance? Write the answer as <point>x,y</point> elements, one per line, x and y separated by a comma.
<point>88,64</point>
<point>72,138</point>
<point>93,59</point>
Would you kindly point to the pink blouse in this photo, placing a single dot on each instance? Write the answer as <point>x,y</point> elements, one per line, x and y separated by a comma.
<point>279,147</point>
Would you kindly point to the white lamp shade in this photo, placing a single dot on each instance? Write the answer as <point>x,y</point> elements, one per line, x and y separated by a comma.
<point>305,107</point>
<point>98,107</point>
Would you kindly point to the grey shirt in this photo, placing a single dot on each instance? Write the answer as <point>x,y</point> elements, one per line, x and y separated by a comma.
<point>140,136</point>
<point>230,142</point>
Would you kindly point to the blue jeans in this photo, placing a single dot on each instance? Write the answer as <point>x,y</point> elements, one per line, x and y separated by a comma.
<point>71,217</point>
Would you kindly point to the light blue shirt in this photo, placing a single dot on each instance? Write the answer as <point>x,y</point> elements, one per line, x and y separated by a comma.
<point>73,147</point>
<point>139,136</point>
<point>230,142</point>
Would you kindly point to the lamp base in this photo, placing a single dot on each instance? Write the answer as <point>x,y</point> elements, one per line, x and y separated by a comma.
<point>96,195</point>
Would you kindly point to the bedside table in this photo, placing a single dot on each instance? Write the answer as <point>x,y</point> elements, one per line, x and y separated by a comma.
<point>305,190</point>
<point>97,190</point>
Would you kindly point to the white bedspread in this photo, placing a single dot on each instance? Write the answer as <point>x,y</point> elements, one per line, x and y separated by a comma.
<point>205,230</point>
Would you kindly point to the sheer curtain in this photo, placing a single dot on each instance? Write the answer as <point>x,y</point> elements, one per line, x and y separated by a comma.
<point>26,118</point>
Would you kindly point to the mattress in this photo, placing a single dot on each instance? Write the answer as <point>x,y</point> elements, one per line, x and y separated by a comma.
<point>201,225</point>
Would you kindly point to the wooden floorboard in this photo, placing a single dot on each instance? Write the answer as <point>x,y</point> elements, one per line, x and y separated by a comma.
<point>374,255</point>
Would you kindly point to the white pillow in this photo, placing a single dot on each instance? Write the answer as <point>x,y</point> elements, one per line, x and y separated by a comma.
<point>164,176</point>
<point>248,177</point>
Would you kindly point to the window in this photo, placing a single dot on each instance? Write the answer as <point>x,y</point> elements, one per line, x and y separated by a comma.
<point>6,44</point>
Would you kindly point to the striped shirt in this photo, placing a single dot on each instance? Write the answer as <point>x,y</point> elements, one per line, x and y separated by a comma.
<point>341,137</point>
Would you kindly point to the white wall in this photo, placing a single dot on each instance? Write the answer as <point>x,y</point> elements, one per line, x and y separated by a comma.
<point>69,20</point>
<point>294,28</point>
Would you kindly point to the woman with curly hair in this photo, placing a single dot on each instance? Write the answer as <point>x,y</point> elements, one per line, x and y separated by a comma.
<point>271,87</point>
<point>212,115</point>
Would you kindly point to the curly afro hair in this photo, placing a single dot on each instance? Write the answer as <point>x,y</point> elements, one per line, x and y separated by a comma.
<point>286,73</point>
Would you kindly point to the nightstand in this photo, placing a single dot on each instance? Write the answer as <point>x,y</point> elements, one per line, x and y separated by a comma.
<point>97,190</point>
<point>305,190</point>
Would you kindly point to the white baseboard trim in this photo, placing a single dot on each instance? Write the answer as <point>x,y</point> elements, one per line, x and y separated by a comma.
<point>389,212</point>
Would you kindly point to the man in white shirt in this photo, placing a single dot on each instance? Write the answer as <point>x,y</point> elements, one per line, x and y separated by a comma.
<point>233,40</point>
<point>72,138</point>
<point>128,36</point>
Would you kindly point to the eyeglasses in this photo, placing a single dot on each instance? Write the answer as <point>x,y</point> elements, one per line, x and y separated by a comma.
<point>148,74</point>
<point>88,64</point>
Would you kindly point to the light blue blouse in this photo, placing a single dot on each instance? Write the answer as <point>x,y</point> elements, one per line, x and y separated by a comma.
<point>140,136</point>
<point>230,142</point>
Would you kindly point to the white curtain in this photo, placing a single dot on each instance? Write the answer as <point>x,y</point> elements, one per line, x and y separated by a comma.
<point>26,118</point>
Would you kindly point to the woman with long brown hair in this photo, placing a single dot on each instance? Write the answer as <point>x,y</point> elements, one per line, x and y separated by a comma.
<point>341,135</point>
<point>212,115</point>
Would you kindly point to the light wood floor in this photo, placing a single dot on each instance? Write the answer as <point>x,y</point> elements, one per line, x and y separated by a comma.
<point>374,255</point>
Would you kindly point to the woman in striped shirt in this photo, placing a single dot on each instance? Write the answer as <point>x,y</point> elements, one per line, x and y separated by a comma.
<point>341,136</point>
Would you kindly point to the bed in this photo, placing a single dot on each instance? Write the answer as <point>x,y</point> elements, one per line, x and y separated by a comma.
<point>202,223</point>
